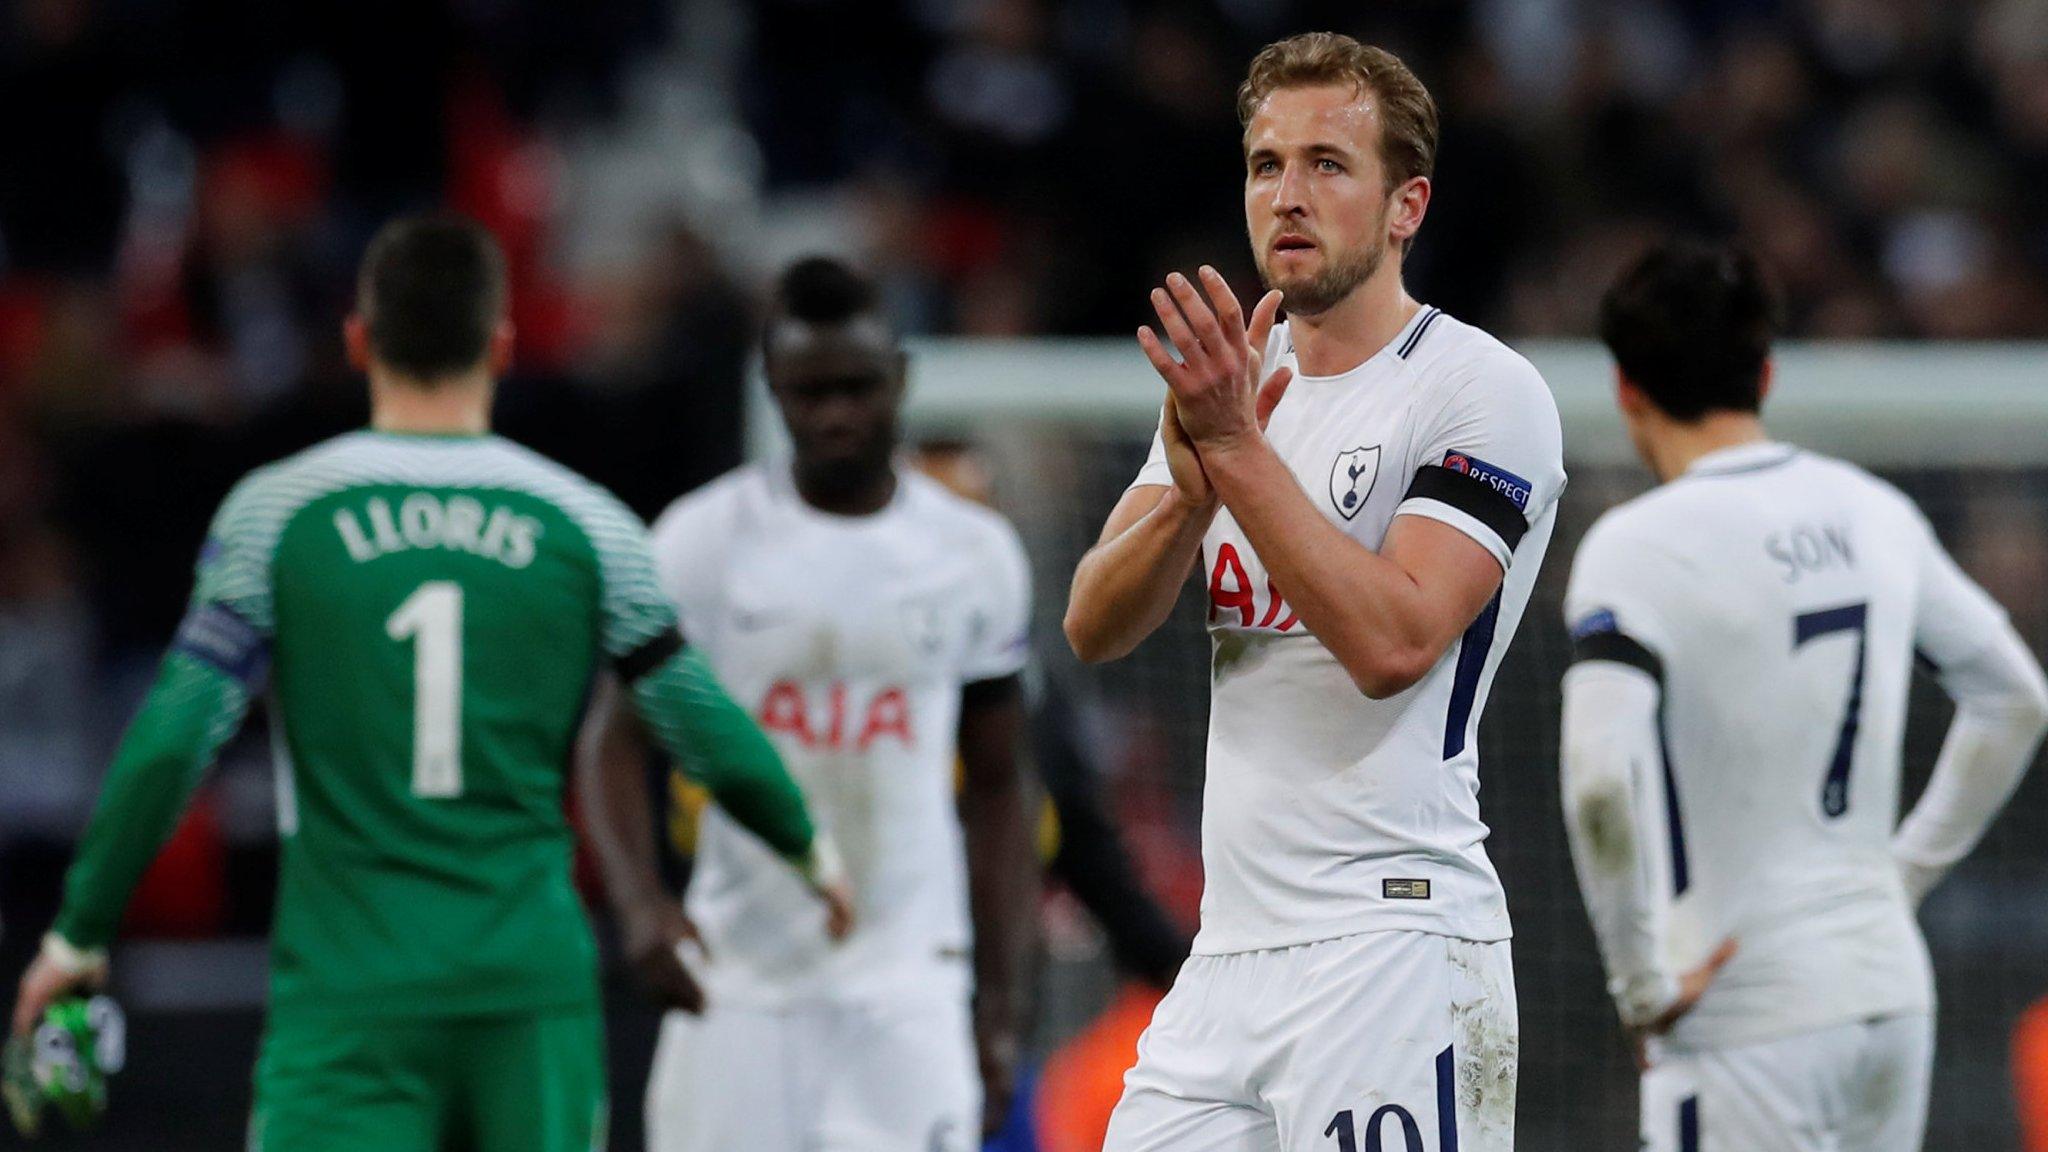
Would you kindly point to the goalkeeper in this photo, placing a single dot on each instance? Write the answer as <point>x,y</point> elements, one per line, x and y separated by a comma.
<point>424,604</point>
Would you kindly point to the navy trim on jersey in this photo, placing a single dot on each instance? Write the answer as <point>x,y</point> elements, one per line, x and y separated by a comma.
<point>649,656</point>
<point>1473,649</point>
<point>1674,819</point>
<point>1472,496</point>
<point>1415,337</point>
<point>1620,648</point>
<point>1689,1124</point>
<point>1447,1100</point>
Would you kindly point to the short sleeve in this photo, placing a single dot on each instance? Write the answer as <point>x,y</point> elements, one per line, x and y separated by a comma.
<point>1616,605</point>
<point>999,622</point>
<point>687,542</point>
<point>231,617</point>
<point>1490,461</point>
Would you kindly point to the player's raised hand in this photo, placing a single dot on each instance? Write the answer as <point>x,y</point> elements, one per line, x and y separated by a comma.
<point>1691,986</point>
<point>1220,395</point>
<point>654,937</point>
<point>1181,459</point>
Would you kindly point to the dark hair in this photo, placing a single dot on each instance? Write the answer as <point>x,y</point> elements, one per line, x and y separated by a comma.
<point>822,290</point>
<point>432,288</point>
<point>1690,324</point>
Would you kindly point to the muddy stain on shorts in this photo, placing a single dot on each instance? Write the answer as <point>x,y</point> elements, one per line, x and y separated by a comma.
<point>1486,1037</point>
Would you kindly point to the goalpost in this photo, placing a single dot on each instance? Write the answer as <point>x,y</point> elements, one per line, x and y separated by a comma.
<point>1963,429</point>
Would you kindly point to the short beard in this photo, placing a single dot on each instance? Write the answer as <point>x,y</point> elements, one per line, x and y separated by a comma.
<point>1315,295</point>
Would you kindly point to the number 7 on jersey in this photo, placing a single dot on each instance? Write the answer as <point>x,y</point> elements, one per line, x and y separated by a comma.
<point>1834,790</point>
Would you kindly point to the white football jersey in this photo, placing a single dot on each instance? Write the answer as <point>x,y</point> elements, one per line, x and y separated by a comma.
<point>1326,813</point>
<point>849,638</point>
<point>1781,597</point>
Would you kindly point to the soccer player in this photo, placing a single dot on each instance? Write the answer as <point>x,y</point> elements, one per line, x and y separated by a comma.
<point>1743,640</point>
<point>424,605</point>
<point>876,622</point>
<point>1368,543</point>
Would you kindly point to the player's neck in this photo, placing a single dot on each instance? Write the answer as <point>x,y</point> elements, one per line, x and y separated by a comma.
<point>846,496</point>
<point>456,406</point>
<point>1354,329</point>
<point>1677,447</point>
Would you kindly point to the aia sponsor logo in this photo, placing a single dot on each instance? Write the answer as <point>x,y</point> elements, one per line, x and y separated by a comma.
<point>834,718</point>
<point>1231,590</point>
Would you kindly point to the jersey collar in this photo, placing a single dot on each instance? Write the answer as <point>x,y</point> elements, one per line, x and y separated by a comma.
<point>1743,458</point>
<point>1400,347</point>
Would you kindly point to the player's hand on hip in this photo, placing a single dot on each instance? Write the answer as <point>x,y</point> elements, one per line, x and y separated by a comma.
<point>1219,392</point>
<point>654,937</point>
<point>1691,986</point>
<point>48,979</point>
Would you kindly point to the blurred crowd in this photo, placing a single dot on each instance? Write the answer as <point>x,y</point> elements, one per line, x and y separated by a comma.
<point>185,187</point>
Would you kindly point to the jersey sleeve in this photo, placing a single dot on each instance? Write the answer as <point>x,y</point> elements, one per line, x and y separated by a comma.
<point>999,624</point>
<point>685,540</point>
<point>1959,631</point>
<point>1490,461</point>
<point>1610,762</point>
<point>1155,470</point>
<point>1619,595</point>
<point>214,667</point>
<point>1963,636</point>
<point>636,618</point>
<point>680,699</point>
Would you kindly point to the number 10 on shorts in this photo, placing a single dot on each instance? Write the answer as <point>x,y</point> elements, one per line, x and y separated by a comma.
<point>1344,1126</point>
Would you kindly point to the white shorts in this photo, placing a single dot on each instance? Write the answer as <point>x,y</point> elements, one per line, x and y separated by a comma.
<point>1384,1041</point>
<point>896,1077</point>
<point>1860,1086</point>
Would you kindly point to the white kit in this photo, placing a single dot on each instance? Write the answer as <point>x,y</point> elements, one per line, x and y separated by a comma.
<point>1745,638</point>
<point>850,639</point>
<point>1341,836</point>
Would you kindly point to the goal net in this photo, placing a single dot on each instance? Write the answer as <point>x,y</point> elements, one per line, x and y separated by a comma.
<point>1064,425</point>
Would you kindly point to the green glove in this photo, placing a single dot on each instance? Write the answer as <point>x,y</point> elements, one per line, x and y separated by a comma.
<point>64,1063</point>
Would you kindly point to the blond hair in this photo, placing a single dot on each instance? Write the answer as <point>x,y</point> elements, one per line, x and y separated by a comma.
<point>1408,121</point>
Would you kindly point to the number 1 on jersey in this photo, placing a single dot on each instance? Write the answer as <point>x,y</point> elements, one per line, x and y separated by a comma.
<point>432,619</point>
<point>1834,791</point>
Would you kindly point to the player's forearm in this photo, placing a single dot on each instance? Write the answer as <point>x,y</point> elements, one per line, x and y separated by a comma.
<point>714,739</point>
<point>1609,732</point>
<point>1125,587</point>
<point>1366,609</point>
<point>1002,873</point>
<point>189,713</point>
<point>2001,713</point>
<point>1982,761</point>
<point>613,788</point>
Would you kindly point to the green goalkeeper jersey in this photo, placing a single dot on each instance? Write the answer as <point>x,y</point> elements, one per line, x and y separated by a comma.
<point>426,616</point>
